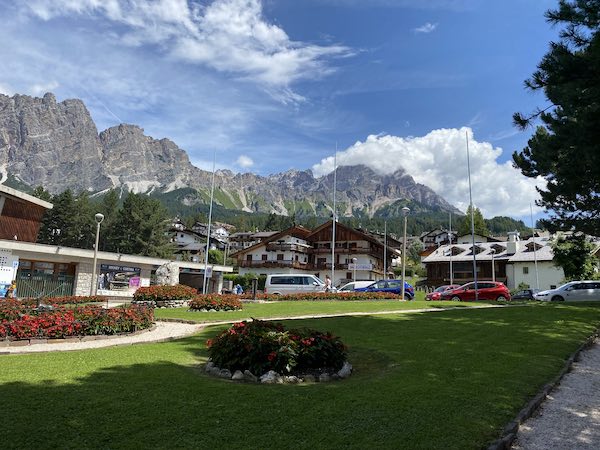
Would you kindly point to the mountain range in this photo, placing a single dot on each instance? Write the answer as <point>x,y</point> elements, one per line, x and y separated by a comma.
<point>57,145</point>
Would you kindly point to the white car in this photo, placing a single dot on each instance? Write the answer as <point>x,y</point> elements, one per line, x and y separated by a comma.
<point>574,291</point>
<point>349,287</point>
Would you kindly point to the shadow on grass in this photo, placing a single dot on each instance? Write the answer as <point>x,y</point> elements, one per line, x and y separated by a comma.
<point>445,380</point>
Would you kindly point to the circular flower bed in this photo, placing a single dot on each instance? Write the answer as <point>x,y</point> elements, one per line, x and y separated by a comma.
<point>21,321</point>
<point>265,350</point>
<point>214,302</point>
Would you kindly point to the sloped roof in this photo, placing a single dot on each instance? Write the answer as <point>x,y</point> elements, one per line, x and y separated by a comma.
<point>297,231</point>
<point>543,253</point>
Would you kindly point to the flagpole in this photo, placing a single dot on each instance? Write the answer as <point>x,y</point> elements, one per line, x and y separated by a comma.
<point>334,218</point>
<point>385,249</point>
<point>212,192</point>
<point>472,219</point>
<point>450,236</point>
<point>537,278</point>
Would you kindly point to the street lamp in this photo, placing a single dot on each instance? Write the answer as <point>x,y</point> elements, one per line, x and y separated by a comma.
<point>354,263</point>
<point>94,287</point>
<point>492,251</point>
<point>405,212</point>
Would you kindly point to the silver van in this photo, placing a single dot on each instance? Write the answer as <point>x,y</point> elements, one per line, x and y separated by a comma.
<point>290,283</point>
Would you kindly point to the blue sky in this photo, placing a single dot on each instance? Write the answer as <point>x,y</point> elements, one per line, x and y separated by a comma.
<point>274,85</point>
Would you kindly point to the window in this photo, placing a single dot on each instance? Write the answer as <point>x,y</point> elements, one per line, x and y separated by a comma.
<point>348,275</point>
<point>525,270</point>
<point>280,257</point>
<point>264,257</point>
<point>249,257</point>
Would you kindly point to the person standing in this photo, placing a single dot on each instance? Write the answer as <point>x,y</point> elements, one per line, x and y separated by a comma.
<point>327,283</point>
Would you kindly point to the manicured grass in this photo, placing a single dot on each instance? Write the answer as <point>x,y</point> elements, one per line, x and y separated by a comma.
<point>303,308</point>
<point>451,379</point>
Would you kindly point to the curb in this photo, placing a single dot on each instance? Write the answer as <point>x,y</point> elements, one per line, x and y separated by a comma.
<point>51,341</point>
<point>509,434</point>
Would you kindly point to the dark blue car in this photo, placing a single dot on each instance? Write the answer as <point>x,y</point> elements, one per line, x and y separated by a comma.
<point>393,286</point>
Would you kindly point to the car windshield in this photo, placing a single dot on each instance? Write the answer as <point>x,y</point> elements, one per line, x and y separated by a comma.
<point>441,289</point>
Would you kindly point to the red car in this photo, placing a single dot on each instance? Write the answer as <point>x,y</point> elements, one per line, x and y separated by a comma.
<point>486,290</point>
<point>437,294</point>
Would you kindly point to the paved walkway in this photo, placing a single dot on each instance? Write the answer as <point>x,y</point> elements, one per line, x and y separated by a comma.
<point>164,331</point>
<point>569,419</point>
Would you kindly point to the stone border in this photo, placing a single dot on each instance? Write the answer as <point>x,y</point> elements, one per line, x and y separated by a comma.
<point>272,377</point>
<point>509,434</point>
<point>98,337</point>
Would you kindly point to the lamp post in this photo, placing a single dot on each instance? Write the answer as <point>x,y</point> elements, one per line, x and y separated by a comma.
<point>94,287</point>
<point>405,212</point>
<point>354,263</point>
<point>492,251</point>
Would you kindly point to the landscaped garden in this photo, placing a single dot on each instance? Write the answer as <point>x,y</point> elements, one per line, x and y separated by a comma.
<point>281,309</point>
<point>451,379</point>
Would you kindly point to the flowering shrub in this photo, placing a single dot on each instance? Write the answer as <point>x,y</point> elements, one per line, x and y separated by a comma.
<point>161,293</point>
<point>216,302</point>
<point>21,321</point>
<point>261,346</point>
<point>315,296</point>
<point>67,300</point>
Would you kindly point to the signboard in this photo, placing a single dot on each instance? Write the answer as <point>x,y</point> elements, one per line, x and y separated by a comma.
<point>9,264</point>
<point>118,278</point>
<point>209,272</point>
<point>359,266</point>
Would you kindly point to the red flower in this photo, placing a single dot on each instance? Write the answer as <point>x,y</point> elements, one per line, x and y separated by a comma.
<point>209,343</point>
<point>272,356</point>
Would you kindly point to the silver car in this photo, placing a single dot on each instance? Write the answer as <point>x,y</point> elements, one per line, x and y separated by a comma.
<point>574,291</point>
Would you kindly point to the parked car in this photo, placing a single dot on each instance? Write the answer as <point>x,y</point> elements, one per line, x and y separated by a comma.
<point>486,290</point>
<point>353,285</point>
<point>289,283</point>
<point>392,286</point>
<point>525,294</point>
<point>437,294</point>
<point>573,291</point>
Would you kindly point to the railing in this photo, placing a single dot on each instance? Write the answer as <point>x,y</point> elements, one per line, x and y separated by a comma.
<point>43,285</point>
<point>277,263</point>
<point>287,247</point>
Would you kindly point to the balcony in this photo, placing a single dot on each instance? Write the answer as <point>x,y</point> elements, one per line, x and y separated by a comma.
<point>287,247</point>
<point>283,263</point>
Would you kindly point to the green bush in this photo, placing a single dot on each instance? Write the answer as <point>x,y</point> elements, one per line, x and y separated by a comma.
<point>246,280</point>
<point>260,346</point>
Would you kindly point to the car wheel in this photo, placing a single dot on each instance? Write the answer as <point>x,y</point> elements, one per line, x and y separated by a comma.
<point>558,298</point>
<point>455,298</point>
<point>501,298</point>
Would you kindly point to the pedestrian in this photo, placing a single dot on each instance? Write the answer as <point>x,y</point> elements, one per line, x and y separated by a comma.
<point>238,289</point>
<point>327,283</point>
<point>11,292</point>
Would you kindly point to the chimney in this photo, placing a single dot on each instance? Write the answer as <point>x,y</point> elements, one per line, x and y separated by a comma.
<point>512,246</point>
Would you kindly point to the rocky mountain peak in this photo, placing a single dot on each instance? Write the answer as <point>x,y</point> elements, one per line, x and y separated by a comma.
<point>57,145</point>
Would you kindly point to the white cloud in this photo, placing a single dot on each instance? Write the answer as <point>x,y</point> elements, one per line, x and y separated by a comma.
<point>226,35</point>
<point>42,88</point>
<point>439,160</point>
<point>244,161</point>
<point>426,28</point>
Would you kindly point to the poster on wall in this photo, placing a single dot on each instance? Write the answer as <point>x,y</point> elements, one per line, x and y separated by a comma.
<point>9,264</point>
<point>118,278</point>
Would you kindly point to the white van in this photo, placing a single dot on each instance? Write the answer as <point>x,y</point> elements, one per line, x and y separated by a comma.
<point>291,283</point>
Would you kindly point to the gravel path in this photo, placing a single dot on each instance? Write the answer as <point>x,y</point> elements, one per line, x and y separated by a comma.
<point>570,416</point>
<point>164,331</point>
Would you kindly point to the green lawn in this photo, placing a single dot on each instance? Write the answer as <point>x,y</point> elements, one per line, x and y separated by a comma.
<point>294,308</point>
<point>451,379</point>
